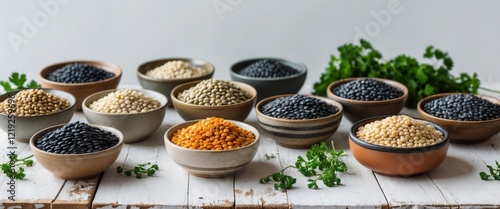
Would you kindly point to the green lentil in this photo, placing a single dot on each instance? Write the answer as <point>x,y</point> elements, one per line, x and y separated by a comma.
<point>213,92</point>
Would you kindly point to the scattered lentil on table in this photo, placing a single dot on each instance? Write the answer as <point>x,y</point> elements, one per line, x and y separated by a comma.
<point>399,131</point>
<point>125,101</point>
<point>76,138</point>
<point>298,107</point>
<point>213,92</point>
<point>176,69</point>
<point>462,107</point>
<point>33,102</point>
<point>366,89</point>
<point>79,73</point>
<point>213,134</point>
<point>268,68</point>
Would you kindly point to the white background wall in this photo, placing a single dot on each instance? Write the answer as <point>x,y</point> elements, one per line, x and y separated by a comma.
<point>128,33</point>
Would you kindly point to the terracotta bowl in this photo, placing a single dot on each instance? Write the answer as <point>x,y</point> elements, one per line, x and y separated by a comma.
<point>76,166</point>
<point>237,112</point>
<point>463,131</point>
<point>298,133</point>
<point>397,161</point>
<point>267,87</point>
<point>209,163</point>
<point>355,110</point>
<point>165,86</point>
<point>135,127</point>
<point>26,126</point>
<point>82,90</point>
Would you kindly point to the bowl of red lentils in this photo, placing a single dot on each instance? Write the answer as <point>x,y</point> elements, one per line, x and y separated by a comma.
<point>398,144</point>
<point>212,147</point>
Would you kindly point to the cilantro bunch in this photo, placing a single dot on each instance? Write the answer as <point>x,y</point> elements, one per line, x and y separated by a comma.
<point>8,168</point>
<point>17,82</point>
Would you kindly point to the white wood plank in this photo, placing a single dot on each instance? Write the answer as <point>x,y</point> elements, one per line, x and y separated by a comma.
<point>211,192</point>
<point>77,194</point>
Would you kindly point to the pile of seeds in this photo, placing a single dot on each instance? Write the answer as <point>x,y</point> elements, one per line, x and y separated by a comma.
<point>212,92</point>
<point>79,73</point>
<point>33,102</point>
<point>76,138</point>
<point>267,68</point>
<point>125,101</point>
<point>298,107</point>
<point>366,89</point>
<point>399,131</point>
<point>213,134</point>
<point>176,69</point>
<point>463,107</point>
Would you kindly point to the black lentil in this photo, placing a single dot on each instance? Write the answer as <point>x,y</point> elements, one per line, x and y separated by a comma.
<point>79,73</point>
<point>462,107</point>
<point>76,138</point>
<point>366,89</point>
<point>267,68</point>
<point>298,107</point>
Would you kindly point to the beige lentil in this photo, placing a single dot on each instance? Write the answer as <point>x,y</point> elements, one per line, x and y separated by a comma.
<point>33,102</point>
<point>399,131</point>
<point>125,101</point>
<point>176,69</point>
<point>213,92</point>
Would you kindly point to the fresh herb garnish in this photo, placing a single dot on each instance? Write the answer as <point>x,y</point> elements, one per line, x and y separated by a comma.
<point>9,168</point>
<point>494,172</point>
<point>269,156</point>
<point>142,168</point>
<point>18,81</point>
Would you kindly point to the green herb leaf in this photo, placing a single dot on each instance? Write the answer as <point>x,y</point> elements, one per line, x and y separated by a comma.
<point>493,172</point>
<point>18,80</point>
<point>9,168</point>
<point>140,169</point>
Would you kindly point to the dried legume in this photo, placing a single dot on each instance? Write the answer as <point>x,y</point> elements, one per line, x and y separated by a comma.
<point>267,68</point>
<point>212,92</point>
<point>79,73</point>
<point>399,131</point>
<point>176,69</point>
<point>298,107</point>
<point>33,102</point>
<point>213,134</point>
<point>366,89</point>
<point>125,101</point>
<point>463,107</point>
<point>76,138</point>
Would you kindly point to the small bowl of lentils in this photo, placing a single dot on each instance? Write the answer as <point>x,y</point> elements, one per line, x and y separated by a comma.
<point>230,100</point>
<point>76,150</point>
<point>368,97</point>
<point>298,121</point>
<point>270,76</point>
<point>81,78</point>
<point>468,118</point>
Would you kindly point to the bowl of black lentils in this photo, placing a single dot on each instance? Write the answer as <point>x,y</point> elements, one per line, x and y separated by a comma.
<point>468,118</point>
<point>368,97</point>
<point>81,78</point>
<point>270,76</point>
<point>76,150</point>
<point>298,121</point>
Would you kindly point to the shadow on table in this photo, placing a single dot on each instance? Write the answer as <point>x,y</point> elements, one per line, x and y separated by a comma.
<point>451,167</point>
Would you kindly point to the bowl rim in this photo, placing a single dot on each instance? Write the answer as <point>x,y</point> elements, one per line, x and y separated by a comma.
<point>255,131</point>
<point>387,81</point>
<point>114,131</point>
<point>165,60</point>
<point>71,106</point>
<point>45,71</point>
<point>410,150</point>
<point>272,98</point>
<point>423,101</point>
<point>87,108</point>
<point>303,70</point>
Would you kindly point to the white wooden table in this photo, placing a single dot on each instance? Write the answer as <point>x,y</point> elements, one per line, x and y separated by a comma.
<point>454,184</point>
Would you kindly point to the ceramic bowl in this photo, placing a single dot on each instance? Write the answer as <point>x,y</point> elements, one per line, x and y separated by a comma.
<point>298,133</point>
<point>237,112</point>
<point>25,126</point>
<point>76,166</point>
<point>165,86</point>
<point>267,87</point>
<point>210,163</point>
<point>135,127</point>
<point>397,161</point>
<point>355,110</point>
<point>463,131</point>
<point>82,90</point>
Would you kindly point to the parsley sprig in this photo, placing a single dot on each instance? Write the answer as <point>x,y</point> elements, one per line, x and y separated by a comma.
<point>18,81</point>
<point>493,172</point>
<point>140,169</point>
<point>9,168</point>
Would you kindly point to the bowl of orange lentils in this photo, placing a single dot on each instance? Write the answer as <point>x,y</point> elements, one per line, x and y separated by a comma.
<point>212,147</point>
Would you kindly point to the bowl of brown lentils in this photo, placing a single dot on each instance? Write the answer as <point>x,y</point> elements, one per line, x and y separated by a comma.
<point>398,144</point>
<point>25,112</point>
